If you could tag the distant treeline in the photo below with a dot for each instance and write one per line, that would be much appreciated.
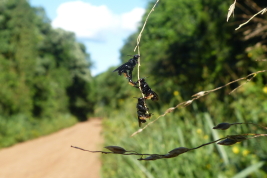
(44, 72)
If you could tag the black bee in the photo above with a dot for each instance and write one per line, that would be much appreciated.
(142, 111)
(128, 66)
(146, 90)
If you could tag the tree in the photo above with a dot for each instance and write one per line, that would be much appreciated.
(44, 73)
(186, 49)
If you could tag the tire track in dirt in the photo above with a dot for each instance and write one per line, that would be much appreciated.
(52, 157)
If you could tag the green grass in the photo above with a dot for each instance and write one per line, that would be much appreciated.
(179, 129)
(20, 128)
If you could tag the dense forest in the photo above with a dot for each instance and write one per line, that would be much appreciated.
(186, 47)
(44, 73)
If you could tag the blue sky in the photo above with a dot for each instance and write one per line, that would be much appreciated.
(102, 25)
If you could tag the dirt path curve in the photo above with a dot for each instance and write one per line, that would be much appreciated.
(52, 157)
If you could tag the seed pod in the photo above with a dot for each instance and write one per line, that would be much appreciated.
(222, 126)
(175, 152)
(188, 102)
(169, 110)
(199, 94)
(238, 138)
(116, 149)
(227, 142)
(179, 150)
(151, 157)
(170, 155)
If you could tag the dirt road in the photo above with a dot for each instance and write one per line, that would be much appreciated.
(52, 157)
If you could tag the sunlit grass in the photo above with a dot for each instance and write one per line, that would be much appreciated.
(168, 133)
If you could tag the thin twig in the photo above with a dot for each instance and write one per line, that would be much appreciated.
(89, 150)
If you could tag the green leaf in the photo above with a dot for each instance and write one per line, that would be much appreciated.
(249, 170)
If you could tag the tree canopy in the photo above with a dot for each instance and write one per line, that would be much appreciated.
(188, 47)
(44, 72)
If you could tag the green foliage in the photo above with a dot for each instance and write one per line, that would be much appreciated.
(113, 92)
(188, 47)
(44, 74)
(180, 129)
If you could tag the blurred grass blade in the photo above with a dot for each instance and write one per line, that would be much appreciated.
(181, 136)
(141, 167)
(249, 170)
(216, 137)
(239, 116)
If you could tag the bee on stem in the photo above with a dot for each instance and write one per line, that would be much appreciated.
(127, 68)
(146, 90)
(142, 111)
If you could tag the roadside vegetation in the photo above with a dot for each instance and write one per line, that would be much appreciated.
(188, 47)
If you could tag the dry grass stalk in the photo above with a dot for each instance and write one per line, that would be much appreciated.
(225, 141)
(231, 11)
(224, 125)
(140, 34)
(138, 49)
(116, 149)
(260, 12)
(198, 95)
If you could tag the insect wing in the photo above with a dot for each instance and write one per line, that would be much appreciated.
(155, 96)
(140, 121)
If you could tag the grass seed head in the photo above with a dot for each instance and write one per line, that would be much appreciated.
(116, 149)
(238, 138)
(231, 11)
(175, 152)
(151, 157)
(222, 126)
(179, 150)
(199, 94)
(169, 110)
(188, 102)
(170, 155)
(227, 142)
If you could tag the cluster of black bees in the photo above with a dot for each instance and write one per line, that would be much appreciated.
(142, 111)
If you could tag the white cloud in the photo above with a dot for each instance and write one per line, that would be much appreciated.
(130, 20)
(95, 22)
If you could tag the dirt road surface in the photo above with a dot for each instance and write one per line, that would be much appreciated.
(52, 157)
